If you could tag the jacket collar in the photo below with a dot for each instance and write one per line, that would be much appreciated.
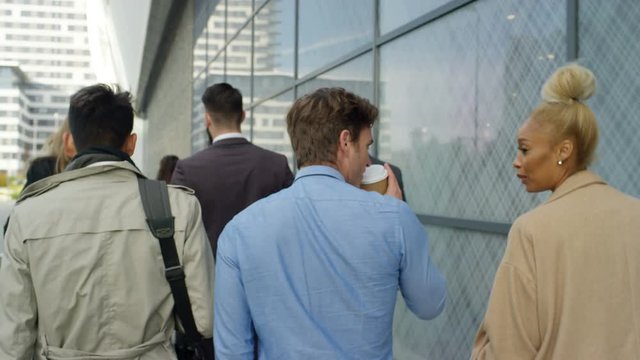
(53, 181)
(575, 182)
(229, 142)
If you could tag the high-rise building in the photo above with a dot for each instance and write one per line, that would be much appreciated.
(49, 42)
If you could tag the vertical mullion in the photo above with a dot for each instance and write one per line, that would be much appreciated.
(296, 40)
(376, 71)
(572, 30)
(253, 33)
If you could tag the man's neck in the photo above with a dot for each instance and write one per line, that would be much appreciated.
(217, 132)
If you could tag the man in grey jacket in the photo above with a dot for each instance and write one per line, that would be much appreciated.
(83, 277)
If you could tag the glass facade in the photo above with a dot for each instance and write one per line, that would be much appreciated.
(453, 81)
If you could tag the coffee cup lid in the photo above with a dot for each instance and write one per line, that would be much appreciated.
(373, 174)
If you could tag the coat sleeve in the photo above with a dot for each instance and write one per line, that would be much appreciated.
(199, 270)
(18, 309)
(423, 287)
(510, 327)
(233, 324)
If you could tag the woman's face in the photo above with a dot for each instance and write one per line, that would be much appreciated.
(537, 158)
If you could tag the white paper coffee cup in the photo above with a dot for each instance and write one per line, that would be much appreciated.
(375, 178)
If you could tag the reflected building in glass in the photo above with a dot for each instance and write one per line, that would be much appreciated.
(48, 40)
(453, 80)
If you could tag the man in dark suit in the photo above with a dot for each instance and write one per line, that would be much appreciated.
(231, 173)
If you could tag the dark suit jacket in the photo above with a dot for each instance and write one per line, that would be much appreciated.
(228, 176)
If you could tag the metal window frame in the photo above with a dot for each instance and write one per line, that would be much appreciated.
(379, 40)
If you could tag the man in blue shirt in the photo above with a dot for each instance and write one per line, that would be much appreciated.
(312, 271)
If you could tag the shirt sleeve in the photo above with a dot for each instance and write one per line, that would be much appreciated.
(510, 327)
(18, 309)
(198, 266)
(422, 285)
(233, 329)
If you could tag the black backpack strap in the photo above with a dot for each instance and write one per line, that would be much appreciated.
(155, 200)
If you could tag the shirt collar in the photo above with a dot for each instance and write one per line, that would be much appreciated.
(321, 170)
(574, 182)
(232, 135)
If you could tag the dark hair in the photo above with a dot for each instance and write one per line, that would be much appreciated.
(224, 103)
(100, 115)
(40, 168)
(167, 165)
(316, 120)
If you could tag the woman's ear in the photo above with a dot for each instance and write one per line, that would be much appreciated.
(565, 149)
(69, 147)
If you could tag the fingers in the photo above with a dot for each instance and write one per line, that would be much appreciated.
(393, 188)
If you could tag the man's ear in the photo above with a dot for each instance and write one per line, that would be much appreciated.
(344, 140)
(208, 122)
(68, 146)
(243, 116)
(130, 144)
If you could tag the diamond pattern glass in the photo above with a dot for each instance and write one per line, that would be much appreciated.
(395, 13)
(453, 95)
(608, 46)
(469, 261)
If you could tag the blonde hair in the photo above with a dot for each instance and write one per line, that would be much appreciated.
(563, 110)
(55, 146)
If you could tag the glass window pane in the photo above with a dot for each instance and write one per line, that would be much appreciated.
(238, 11)
(468, 261)
(330, 29)
(605, 47)
(215, 30)
(198, 130)
(355, 76)
(270, 125)
(395, 13)
(274, 48)
(453, 94)
(238, 69)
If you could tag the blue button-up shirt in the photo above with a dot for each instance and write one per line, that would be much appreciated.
(315, 270)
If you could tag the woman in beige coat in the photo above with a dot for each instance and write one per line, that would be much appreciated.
(568, 286)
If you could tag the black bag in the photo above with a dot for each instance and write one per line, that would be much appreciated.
(155, 200)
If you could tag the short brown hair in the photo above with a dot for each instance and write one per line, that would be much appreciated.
(316, 120)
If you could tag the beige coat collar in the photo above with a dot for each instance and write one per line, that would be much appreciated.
(51, 182)
(575, 182)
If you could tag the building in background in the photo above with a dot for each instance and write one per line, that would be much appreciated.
(49, 42)
(454, 79)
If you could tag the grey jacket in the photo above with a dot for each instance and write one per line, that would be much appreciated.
(83, 277)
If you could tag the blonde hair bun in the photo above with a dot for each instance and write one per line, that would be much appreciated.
(569, 83)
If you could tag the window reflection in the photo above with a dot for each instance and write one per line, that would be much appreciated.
(330, 29)
(452, 95)
(273, 49)
(270, 125)
(395, 13)
(198, 130)
(355, 76)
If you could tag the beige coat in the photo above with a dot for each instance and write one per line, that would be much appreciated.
(83, 278)
(568, 286)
